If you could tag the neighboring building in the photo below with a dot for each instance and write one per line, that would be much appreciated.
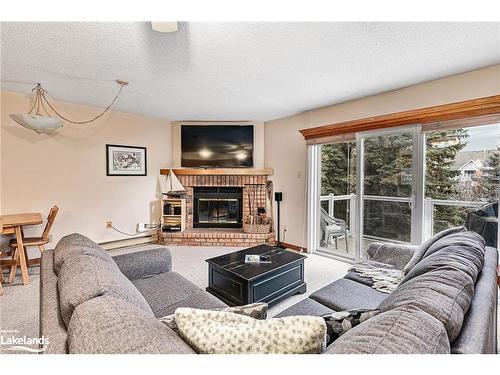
(471, 164)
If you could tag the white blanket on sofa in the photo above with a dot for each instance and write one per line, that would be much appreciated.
(385, 277)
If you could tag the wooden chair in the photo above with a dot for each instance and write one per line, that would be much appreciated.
(44, 239)
(32, 241)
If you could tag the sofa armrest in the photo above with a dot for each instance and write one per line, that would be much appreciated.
(397, 255)
(144, 263)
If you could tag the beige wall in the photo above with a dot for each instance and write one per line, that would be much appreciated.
(285, 148)
(68, 168)
(258, 151)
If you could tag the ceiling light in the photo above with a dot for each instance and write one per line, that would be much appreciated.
(164, 27)
(39, 123)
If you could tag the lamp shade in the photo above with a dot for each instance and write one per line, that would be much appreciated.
(37, 123)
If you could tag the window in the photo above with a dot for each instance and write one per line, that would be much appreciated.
(462, 174)
(374, 188)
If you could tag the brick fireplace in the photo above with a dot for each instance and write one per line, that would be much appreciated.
(217, 200)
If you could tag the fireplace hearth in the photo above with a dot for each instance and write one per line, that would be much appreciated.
(218, 207)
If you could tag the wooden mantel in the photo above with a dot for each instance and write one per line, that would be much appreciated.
(219, 171)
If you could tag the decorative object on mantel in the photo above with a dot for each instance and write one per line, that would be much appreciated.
(34, 120)
(257, 220)
(126, 160)
(172, 186)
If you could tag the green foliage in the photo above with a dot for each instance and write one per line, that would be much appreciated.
(388, 172)
(442, 147)
(338, 168)
(489, 184)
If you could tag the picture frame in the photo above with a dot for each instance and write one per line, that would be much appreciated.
(124, 160)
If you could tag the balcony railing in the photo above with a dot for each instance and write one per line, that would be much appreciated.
(430, 206)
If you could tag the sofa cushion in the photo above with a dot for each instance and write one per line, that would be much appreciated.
(462, 251)
(307, 306)
(85, 277)
(77, 244)
(167, 291)
(220, 332)
(145, 263)
(345, 294)
(404, 330)
(422, 249)
(257, 310)
(478, 330)
(51, 323)
(394, 254)
(445, 293)
(107, 325)
(341, 322)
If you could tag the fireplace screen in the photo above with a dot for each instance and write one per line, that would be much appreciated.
(218, 210)
(217, 207)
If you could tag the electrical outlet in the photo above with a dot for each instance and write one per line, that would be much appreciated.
(109, 224)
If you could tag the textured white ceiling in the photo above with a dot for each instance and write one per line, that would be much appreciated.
(237, 71)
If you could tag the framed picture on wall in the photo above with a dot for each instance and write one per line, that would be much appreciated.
(126, 160)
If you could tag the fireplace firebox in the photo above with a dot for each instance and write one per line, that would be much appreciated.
(218, 207)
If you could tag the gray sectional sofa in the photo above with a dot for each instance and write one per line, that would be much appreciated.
(91, 302)
(446, 303)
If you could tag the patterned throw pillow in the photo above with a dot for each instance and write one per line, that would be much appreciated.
(257, 310)
(220, 332)
(338, 323)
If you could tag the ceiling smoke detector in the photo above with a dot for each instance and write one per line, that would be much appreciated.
(164, 27)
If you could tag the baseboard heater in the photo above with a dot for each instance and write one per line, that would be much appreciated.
(127, 242)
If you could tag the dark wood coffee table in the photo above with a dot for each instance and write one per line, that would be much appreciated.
(238, 283)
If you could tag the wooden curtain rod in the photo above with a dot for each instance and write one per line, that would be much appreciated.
(467, 109)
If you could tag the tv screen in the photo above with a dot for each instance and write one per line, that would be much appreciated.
(217, 146)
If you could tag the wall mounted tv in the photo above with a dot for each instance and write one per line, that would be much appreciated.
(217, 146)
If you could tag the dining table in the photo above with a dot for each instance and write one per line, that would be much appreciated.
(14, 224)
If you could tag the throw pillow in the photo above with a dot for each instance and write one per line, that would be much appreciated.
(221, 332)
(422, 249)
(338, 323)
(257, 310)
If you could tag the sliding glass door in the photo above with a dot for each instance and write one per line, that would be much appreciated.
(389, 175)
(337, 199)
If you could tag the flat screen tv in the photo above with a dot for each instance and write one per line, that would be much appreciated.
(217, 146)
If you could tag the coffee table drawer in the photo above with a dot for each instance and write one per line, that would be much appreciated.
(265, 289)
(229, 286)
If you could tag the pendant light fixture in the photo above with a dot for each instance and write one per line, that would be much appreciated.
(40, 123)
